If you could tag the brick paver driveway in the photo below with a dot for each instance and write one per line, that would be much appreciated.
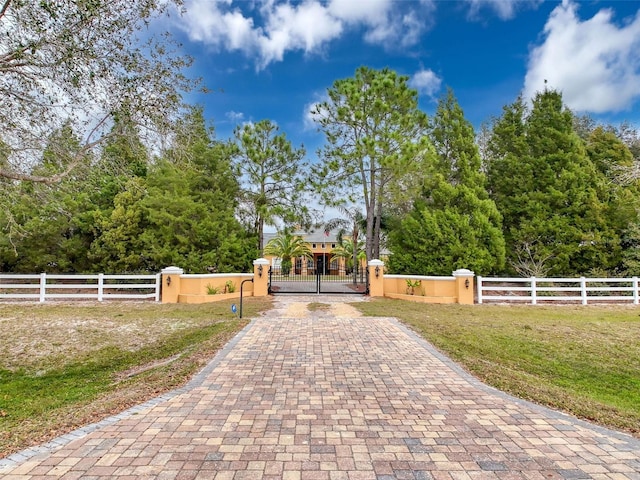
(330, 395)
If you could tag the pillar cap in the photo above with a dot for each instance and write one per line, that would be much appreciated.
(261, 261)
(463, 272)
(172, 271)
(376, 263)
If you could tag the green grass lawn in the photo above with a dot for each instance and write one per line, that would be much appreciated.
(582, 360)
(64, 366)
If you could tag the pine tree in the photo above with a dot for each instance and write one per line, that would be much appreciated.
(455, 224)
(376, 145)
(181, 213)
(46, 227)
(271, 169)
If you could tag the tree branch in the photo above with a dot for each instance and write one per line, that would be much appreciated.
(5, 7)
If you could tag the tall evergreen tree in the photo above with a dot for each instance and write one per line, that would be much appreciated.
(119, 246)
(182, 213)
(118, 184)
(548, 191)
(272, 184)
(45, 228)
(611, 156)
(454, 224)
(376, 145)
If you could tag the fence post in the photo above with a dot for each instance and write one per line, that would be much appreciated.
(43, 286)
(158, 284)
(534, 299)
(583, 290)
(100, 286)
(479, 289)
(636, 297)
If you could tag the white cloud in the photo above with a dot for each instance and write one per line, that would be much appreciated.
(304, 27)
(370, 12)
(234, 117)
(385, 23)
(426, 82)
(594, 63)
(206, 22)
(268, 29)
(505, 9)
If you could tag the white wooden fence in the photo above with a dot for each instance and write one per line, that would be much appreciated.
(568, 290)
(42, 287)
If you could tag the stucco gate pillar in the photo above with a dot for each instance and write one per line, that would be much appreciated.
(260, 277)
(170, 284)
(464, 286)
(376, 278)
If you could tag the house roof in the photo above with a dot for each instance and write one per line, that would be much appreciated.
(318, 237)
(313, 237)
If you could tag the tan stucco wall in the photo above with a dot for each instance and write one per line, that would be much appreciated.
(429, 286)
(193, 288)
(197, 284)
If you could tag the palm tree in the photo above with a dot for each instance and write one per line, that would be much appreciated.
(352, 223)
(286, 247)
(345, 250)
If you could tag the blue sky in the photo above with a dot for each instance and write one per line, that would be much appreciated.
(274, 58)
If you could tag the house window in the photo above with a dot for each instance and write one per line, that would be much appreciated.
(323, 245)
(313, 245)
(333, 245)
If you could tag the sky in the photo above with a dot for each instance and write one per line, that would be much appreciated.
(273, 59)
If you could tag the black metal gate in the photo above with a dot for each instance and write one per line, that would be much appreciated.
(318, 278)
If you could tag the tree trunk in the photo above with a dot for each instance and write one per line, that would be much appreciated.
(354, 239)
(260, 236)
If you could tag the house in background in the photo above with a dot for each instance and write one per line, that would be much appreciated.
(321, 244)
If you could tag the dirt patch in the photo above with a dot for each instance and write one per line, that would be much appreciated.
(319, 307)
(296, 310)
(344, 310)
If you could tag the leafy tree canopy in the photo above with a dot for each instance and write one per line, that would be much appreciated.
(188, 209)
(82, 63)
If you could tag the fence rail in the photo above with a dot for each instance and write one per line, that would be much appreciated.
(98, 287)
(565, 290)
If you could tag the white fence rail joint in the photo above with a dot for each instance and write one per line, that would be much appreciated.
(98, 287)
(535, 290)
